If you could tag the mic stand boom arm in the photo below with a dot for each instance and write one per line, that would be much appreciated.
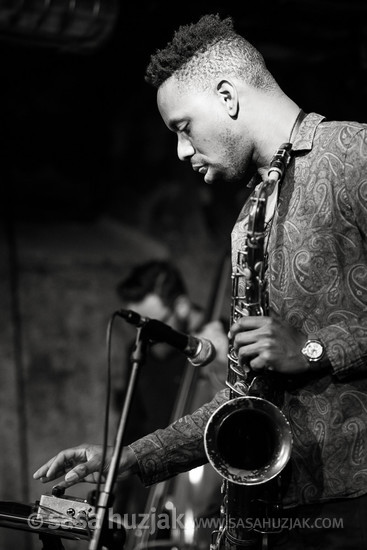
(137, 359)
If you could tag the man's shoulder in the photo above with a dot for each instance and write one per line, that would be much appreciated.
(339, 135)
(350, 126)
(315, 121)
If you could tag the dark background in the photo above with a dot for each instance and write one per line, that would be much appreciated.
(80, 132)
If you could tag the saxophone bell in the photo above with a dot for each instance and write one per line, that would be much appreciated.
(248, 440)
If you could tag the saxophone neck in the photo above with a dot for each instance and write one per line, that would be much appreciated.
(279, 163)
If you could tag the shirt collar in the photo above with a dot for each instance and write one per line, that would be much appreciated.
(303, 141)
(306, 132)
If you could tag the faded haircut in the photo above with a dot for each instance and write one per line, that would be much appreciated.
(201, 51)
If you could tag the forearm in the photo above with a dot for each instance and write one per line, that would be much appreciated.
(177, 448)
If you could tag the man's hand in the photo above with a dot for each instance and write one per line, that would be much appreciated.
(82, 463)
(268, 343)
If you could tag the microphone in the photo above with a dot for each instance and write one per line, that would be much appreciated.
(199, 351)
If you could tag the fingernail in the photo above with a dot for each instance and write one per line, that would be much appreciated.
(71, 476)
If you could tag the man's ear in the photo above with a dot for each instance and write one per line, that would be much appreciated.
(228, 94)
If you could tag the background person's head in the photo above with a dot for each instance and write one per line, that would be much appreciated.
(156, 289)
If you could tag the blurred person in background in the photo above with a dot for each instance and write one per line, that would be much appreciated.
(156, 289)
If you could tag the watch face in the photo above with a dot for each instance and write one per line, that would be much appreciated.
(313, 350)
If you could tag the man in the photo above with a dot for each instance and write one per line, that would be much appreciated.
(156, 289)
(230, 116)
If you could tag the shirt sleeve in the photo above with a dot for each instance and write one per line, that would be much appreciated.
(177, 448)
(346, 341)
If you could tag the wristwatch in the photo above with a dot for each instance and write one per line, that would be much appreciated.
(313, 350)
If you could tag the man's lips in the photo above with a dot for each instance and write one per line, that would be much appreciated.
(201, 169)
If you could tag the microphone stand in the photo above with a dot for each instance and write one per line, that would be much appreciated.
(100, 537)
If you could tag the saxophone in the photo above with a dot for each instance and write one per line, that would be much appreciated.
(248, 440)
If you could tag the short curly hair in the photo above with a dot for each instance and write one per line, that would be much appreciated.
(206, 49)
(159, 277)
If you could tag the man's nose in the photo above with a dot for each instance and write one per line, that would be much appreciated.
(185, 149)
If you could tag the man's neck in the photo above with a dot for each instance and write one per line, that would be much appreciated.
(277, 127)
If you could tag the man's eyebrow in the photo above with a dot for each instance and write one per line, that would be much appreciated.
(174, 123)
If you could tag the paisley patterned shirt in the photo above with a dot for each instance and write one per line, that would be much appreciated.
(317, 280)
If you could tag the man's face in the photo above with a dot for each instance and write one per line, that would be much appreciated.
(207, 136)
(153, 307)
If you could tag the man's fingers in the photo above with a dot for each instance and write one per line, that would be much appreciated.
(60, 464)
(245, 353)
(63, 462)
(41, 473)
(244, 339)
(81, 471)
(73, 464)
(47, 477)
(247, 323)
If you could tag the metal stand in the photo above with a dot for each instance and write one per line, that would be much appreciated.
(101, 536)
